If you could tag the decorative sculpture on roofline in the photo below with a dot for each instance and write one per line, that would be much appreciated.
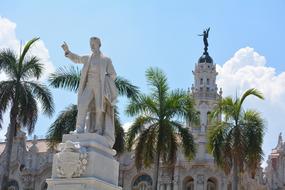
(205, 39)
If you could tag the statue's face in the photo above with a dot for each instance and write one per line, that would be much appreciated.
(94, 45)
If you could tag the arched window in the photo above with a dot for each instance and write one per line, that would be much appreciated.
(142, 186)
(142, 182)
(189, 183)
(208, 118)
(212, 184)
(208, 81)
(201, 80)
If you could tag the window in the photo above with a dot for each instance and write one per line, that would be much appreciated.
(208, 118)
(142, 186)
(190, 186)
(142, 182)
(208, 81)
(188, 183)
(201, 80)
(211, 184)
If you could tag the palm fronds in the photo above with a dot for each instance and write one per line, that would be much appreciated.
(236, 141)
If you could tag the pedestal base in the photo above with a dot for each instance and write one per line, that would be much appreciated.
(85, 162)
(80, 184)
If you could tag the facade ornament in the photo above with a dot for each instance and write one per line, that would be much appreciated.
(280, 141)
(27, 179)
(34, 147)
(200, 179)
(71, 161)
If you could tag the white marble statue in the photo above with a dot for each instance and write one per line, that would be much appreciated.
(97, 91)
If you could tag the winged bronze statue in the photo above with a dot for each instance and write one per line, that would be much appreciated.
(205, 38)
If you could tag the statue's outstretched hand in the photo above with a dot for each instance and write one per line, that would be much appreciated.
(65, 47)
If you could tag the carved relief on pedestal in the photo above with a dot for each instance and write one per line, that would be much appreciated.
(71, 161)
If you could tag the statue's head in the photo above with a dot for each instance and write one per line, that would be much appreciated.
(95, 43)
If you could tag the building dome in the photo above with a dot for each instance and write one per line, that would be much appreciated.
(205, 58)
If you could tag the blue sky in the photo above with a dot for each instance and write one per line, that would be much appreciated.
(140, 34)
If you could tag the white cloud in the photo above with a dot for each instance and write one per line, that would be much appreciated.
(8, 34)
(248, 69)
(8, 39)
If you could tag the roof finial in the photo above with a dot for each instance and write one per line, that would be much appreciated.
(280, 141)
(205, 39)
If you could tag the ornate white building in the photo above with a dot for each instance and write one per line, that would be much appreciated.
(200, 173)
(31, 163)
(32, 160)
(275, 170)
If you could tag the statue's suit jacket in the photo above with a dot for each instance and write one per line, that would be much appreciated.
(108, 89)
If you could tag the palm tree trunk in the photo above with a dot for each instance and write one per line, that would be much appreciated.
(8, 147)
(156, 171)
(10, 138)
(235, 176)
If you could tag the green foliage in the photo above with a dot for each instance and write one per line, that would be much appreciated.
(119, 145)
(157, 131)
(66, 78)
(126, 88)
(21, 72)
(22, 94)
(237, 138)
(64, 123)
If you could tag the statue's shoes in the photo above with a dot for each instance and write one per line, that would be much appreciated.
(79, 130)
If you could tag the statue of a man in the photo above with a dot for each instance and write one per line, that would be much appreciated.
(97, 92)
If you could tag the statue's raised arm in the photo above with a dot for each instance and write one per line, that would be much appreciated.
(205, 39)
(72, 56)
(65, 47)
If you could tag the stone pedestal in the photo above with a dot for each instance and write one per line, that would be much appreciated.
(85, 162)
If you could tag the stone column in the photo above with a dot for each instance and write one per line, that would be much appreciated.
(175, 185)
(168, 186)
(200, 182)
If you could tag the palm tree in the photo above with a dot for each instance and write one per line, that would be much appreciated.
(68, 78)
(21, 93)
(157, 131)
(236, 140)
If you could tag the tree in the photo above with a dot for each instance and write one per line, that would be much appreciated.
(157, 131)
(68, 78)
(20, 92)
(236, 140)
